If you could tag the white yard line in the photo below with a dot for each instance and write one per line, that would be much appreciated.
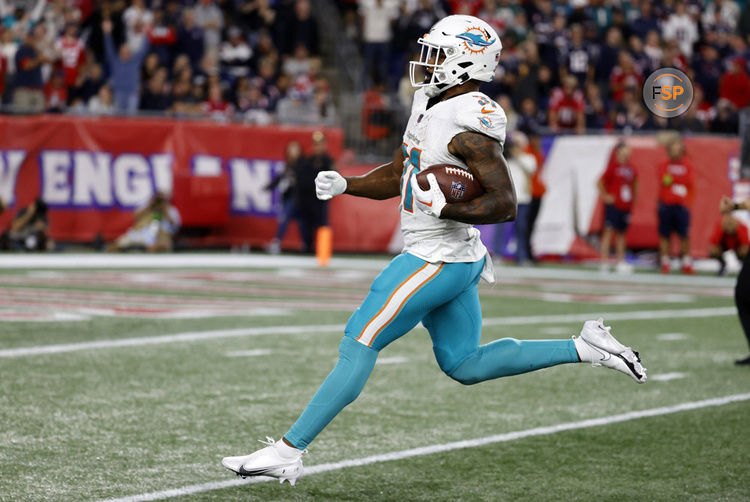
(248, 353)
(438, 448)
(672, 337)
(294, 330)
(392, 360)
(227, 260)
(665, 377)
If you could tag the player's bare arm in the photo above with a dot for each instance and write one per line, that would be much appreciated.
(383, 182)
(484, 157)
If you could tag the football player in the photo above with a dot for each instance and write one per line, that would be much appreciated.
(435, 279)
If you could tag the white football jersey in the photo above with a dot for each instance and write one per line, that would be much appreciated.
(425, 144)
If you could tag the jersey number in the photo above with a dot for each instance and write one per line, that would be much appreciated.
(411, 167)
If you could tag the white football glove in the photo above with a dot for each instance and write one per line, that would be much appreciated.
(432, 200)
(328, 184)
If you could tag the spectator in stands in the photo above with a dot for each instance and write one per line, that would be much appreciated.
(298, 64)
(17, 18)
(728, 235)
(312, 213)
(235, 54)
(653, 51)
(190, 38)
(377, 16)
(624, 76)
(689, 121)
(70, 51)
(596, 112)
(618, 188)
(735, 84)
(103, 103)
(609, 54)
(124, 70)
(578, 56)
(215, 106)
(726, 120)
(154, 227)
(156, 95)
(258, 15)
(567, 108)
(646, 21)
(251, 104)
(721, 15)
(529, 121)
(675, 193)
(55, 94)
(681, 26)
(284, 185)
(89, 82)
(8, 49)
(707, 67)
(300, 29)
(162, 36)
(209, 18)
(28, 92)
(138, 21)
(29, 230)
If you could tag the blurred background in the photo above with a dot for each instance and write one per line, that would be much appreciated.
(171, 125)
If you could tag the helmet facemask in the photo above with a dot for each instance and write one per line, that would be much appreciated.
(432, 59)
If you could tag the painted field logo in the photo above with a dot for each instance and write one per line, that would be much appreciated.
(668, 92)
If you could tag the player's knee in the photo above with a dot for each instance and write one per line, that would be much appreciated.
(464, 378)
(467, 372)
(354, 366)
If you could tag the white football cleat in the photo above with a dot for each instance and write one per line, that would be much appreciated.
(276, 460)
(597, 346)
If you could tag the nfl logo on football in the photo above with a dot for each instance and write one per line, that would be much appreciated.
(457, 190)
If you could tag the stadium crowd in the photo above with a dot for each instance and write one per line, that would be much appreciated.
(572, 66)
(566, 66)
(256, 61)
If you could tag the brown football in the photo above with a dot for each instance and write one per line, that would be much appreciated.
(457, 184)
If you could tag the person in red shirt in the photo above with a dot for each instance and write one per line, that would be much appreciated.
(728, 235)
(675, 190)
(70, 50)
(625, 75)
(567, 107)
(215, 106)
(618, 187)
(735, 84)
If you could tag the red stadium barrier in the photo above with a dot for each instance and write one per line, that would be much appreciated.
(93, 172)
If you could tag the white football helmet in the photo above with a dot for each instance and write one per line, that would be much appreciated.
(455, 50)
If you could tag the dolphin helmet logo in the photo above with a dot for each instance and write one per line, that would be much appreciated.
(476, 39)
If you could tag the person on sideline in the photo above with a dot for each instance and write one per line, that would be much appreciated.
(618, 187)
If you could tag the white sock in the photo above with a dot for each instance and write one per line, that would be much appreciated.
(286, 451)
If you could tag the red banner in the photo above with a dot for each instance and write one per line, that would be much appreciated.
(93, 172)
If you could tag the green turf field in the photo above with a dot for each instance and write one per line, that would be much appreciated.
(121, 382)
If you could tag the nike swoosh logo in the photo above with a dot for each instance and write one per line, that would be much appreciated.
(425, 203)
(487, 111)
(255, 472)
(605, 355)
